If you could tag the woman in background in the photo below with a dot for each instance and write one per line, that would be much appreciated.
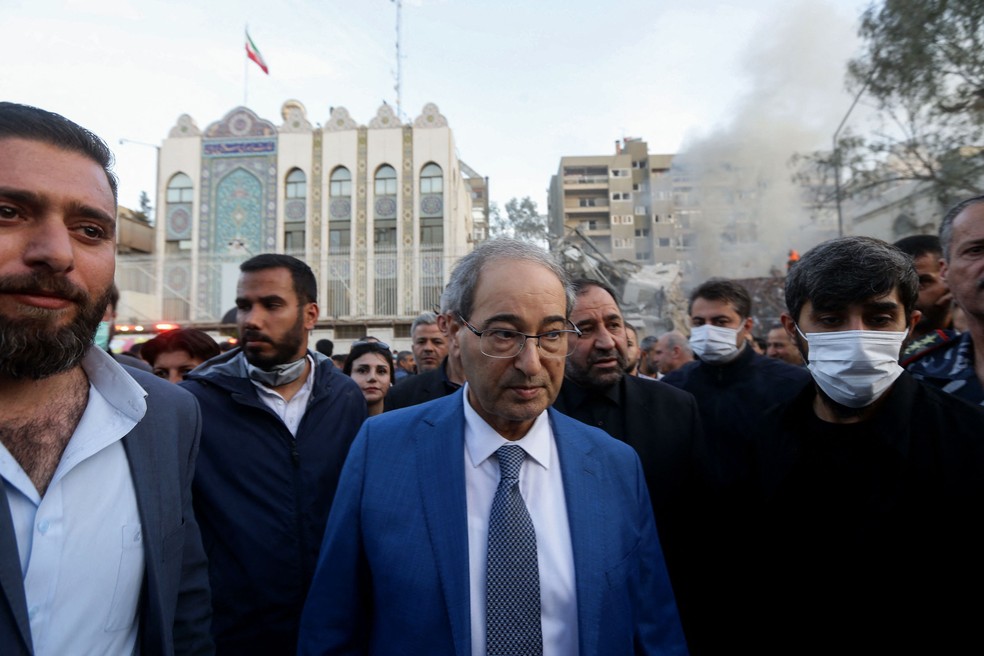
(176, 352)
(370, 365)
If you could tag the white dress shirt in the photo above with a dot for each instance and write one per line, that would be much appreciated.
(542, 487)
(81, 545)
(290, 412)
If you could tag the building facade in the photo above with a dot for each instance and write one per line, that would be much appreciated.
(380, 211)
(623, 204)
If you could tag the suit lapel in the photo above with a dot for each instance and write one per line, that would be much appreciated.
(440, 470)
(11, 576)
(586, 504)
(144, 470)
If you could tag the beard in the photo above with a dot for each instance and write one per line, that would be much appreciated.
(31, 345)
(284, 351)
(583, 375)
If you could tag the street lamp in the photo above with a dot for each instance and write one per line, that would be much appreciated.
(157, 174)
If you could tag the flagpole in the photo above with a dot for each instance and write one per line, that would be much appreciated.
(246, 74)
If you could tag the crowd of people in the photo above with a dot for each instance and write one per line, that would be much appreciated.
(533, 477)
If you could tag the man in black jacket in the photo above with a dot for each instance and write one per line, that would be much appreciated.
(859, 513)
(659, 421)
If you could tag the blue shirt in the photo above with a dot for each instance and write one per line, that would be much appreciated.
(80, 546)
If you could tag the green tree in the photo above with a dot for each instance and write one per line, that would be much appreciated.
(145, 208)
(922, 67)
(521, 221)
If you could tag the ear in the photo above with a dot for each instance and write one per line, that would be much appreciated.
(310, 315)
(443, 324)
(943, 271)
(452, 329)
(789, 324)
(745, 330)
(913, 320)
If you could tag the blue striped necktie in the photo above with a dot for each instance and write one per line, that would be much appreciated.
(512, 592)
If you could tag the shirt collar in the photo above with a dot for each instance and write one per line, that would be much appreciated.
(482, 441)
(115, 384)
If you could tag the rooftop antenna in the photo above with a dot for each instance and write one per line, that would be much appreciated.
(399, 60)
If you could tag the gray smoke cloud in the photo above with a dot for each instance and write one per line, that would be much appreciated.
(743, 205)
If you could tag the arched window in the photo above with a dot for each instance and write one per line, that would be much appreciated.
(341, 183)
(180, 189)
(340, 211)
(339, 281)
(296, 184)
(386, 181)
(295, 212)
(431, 179)
(384, 240)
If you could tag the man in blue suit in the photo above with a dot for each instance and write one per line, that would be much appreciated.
(485, 522)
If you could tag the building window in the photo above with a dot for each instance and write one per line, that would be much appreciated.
(620, 173)
(431, 179)
(386, 181)
(642, 232)
(621, 195)
(339, 242)
(384, 240)
(180, 189)
(640, 210)
(296, 184)
(295, 212)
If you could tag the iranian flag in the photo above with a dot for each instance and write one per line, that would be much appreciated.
(254, 53)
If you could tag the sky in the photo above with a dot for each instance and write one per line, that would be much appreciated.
(521, 83)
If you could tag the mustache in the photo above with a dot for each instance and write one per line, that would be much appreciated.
(255, 336)
(597, 356)
(44, 284)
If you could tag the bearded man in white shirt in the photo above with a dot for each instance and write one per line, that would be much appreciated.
(99, 548)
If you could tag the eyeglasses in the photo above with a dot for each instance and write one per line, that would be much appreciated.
(502, 343)
(382, 345)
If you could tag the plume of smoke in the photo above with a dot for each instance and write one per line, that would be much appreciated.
(735, 183)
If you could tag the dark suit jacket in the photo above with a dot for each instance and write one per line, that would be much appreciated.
(421, 388)
(393, 573)
(662, 424)
(174, 601)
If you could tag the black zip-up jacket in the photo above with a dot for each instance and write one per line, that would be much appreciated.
(262, 498)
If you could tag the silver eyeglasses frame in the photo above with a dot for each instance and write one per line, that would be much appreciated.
(479, 333)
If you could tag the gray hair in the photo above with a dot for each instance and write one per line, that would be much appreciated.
(459, 296)
(850, 270)
(423, 319)
(675, 338)
(648, 342)
(946, 226)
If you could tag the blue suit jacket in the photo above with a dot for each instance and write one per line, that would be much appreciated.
(174, 601)
(393, 573)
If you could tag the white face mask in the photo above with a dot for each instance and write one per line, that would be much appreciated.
(714, 344)
(855, 367)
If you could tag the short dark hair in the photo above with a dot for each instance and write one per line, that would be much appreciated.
(358, 350)
(722, 289)
(325, 347)
(581, 285)
(946, 225)
(190, 340)
(403, 355)
(34, 124)
(919, 245)
(305, 285)
(850, 270)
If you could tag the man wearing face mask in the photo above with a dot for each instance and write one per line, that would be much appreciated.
(733, 384)
(867, 485)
